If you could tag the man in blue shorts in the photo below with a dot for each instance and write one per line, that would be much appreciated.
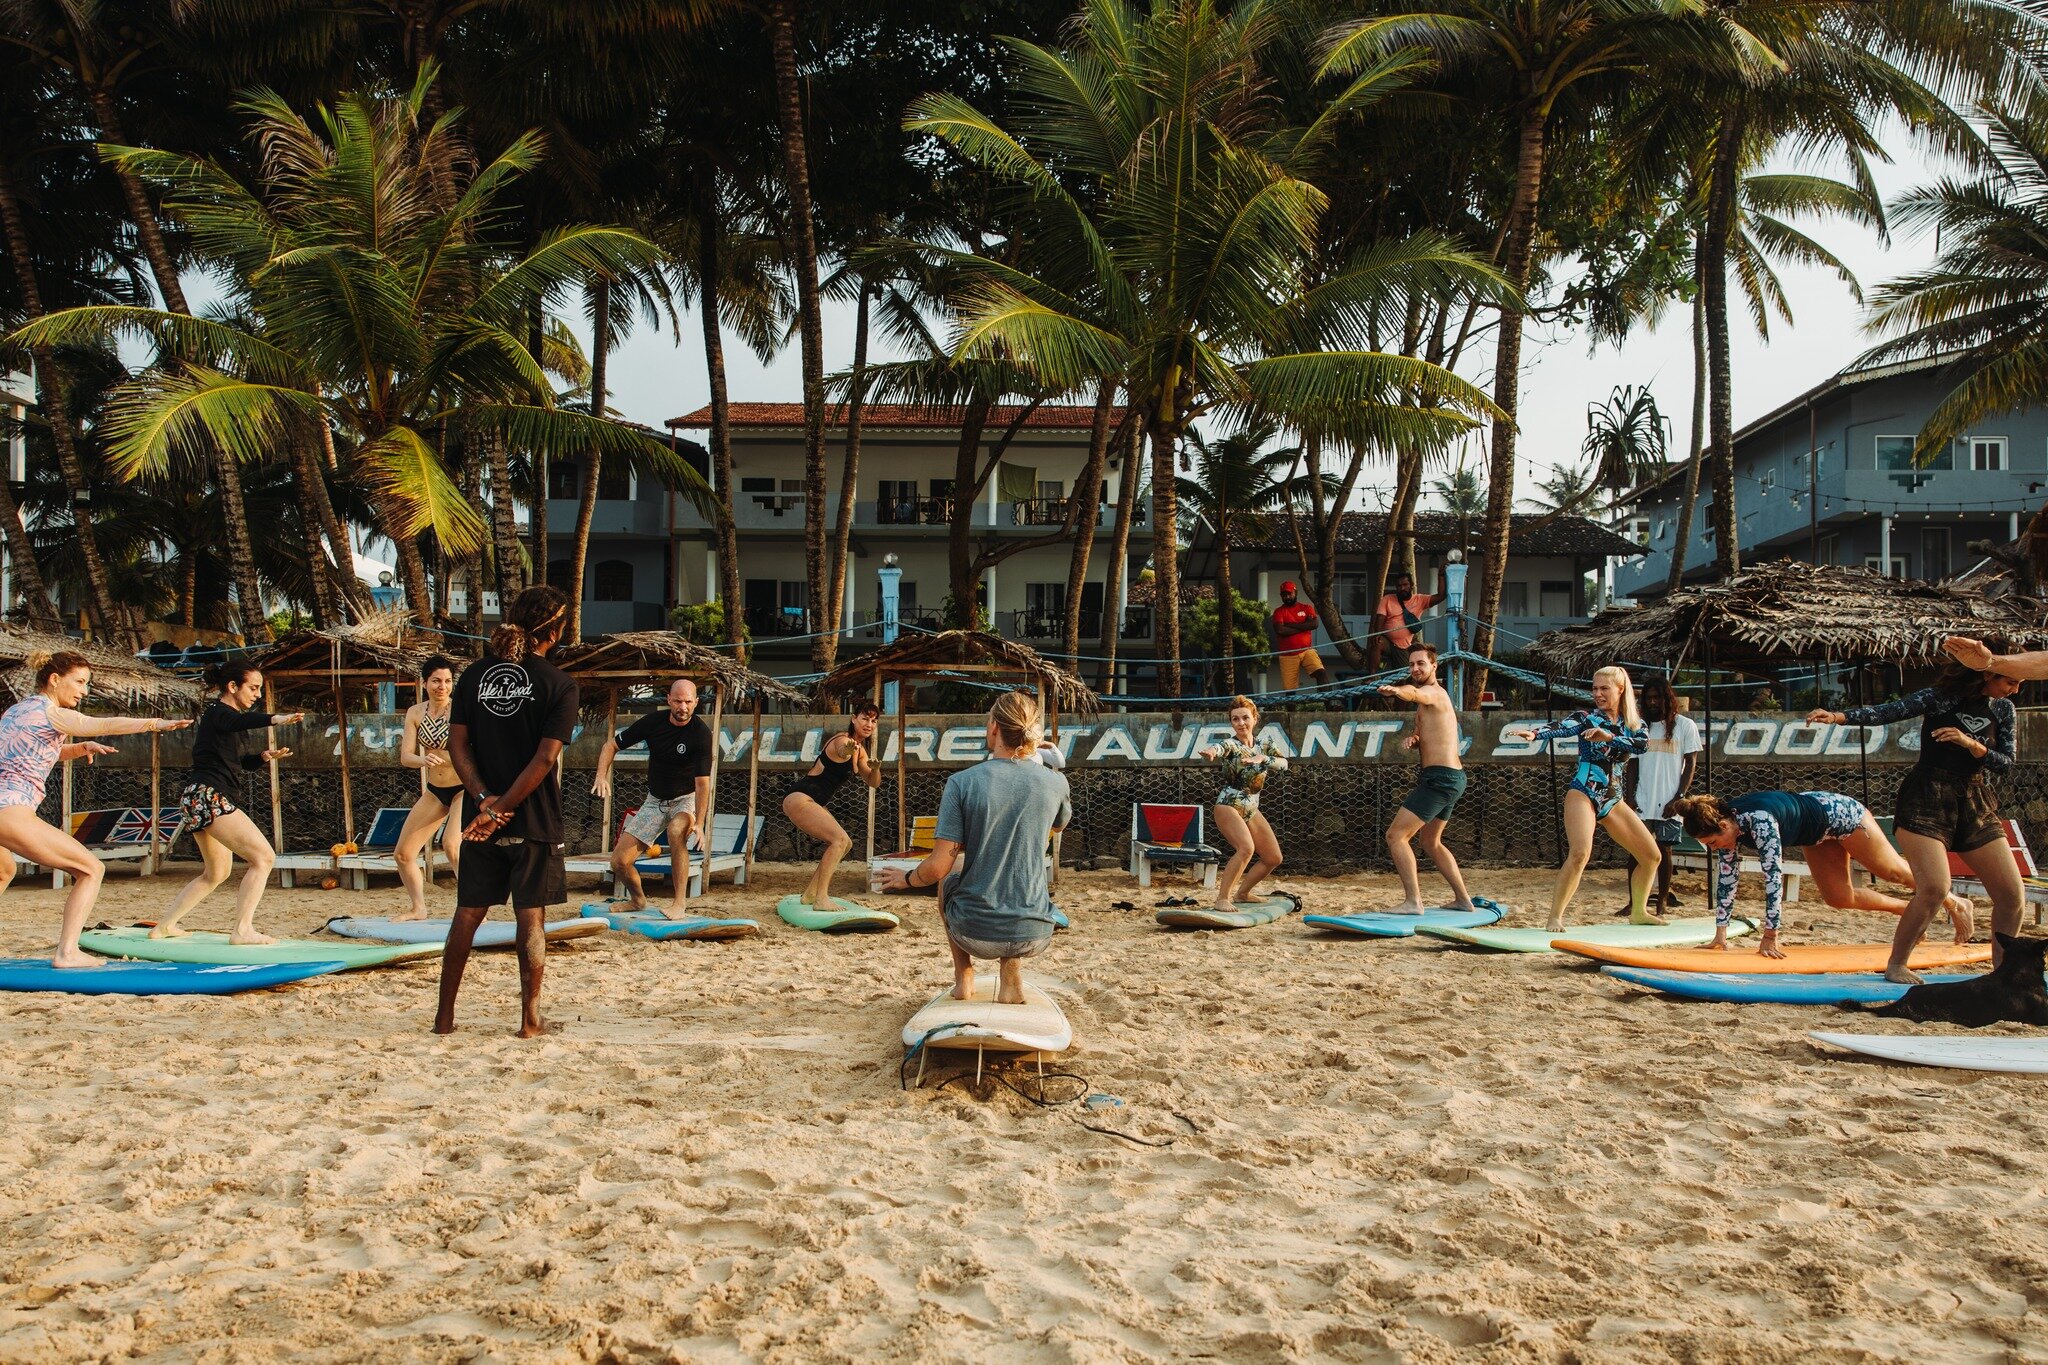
(1438, 786)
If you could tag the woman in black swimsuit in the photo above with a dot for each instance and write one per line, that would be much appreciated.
(425, 747)
(844, 756)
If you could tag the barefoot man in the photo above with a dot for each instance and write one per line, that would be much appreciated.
(512, 713)
(678, 786)
(1426, 809)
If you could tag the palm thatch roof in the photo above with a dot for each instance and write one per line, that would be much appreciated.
(642, 656)
(1786, 612)
(116, 676)
(967, 655)
(385, 644)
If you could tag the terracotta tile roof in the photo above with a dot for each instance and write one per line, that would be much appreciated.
(1530, 533)
(1058, 416)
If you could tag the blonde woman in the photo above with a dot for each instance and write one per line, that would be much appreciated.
(1255, 849)
(425, 747)
(1609, 734)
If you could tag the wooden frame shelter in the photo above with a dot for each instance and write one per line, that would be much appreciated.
(972, 656)
(644, 657)
(133, 684)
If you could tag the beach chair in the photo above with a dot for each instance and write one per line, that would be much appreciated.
(1171, 835)
(731, 836)
(1965, 882)
(121, 835)
(1691, 855)
(377, 850)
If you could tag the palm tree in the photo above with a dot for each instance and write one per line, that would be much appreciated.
(385, 317)
(1985, 299)
(1567, 487)
(1180, 269)
(1236, 480)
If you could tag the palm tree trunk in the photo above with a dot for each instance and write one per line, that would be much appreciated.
(1507, 387)
(1682, 533)
(412, 565)
(586, 495)
(188, 589)
(1226, 609)
(1166, 554)
(842, 531)
(1400, 530)
(709, 268)
(803, 237)
(139, 211)
(28, 576)
(960, 576)
(473, 562)
(1120, 551)
(504, 520)
(1714, 290)
(537, 510)
(1088, 489)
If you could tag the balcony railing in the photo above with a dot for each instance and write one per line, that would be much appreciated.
(768, 622)
(1042, 625)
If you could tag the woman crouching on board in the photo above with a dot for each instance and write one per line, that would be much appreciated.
(844, 756)
(425, 747)
(988, 854)
(1829, 830)
(32, 735)
(1945, 804)
(1255, 849)
(219, 827)
(1608, 735)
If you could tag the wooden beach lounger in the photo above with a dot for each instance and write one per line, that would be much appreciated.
(121, 835)
(730, 837)
(375, 852)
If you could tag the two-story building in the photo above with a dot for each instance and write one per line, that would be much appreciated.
(1553, 578)
(1829, 478)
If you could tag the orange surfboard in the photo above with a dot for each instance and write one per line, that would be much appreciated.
(1801, 958)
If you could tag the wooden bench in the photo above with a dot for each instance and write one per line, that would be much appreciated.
(376, 851)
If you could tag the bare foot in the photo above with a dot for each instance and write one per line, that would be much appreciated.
(1010, 995)
(168, 931)
(1719, 945)
(76, 958)
(538, 1028)
(1647, 918)
(1553, 928)
(1963, 915)
(410, 916)
(249, 938)
(963, 985)
(1903, 976)
(1406, 908)
(677, 912)
(444, 1026)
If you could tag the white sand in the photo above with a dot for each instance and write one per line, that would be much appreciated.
(1381, 1151)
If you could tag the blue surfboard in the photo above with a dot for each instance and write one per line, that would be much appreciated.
(1774, 988)
(657, 926)
(155, 978)
(1378, 924)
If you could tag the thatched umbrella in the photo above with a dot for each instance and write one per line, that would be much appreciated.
(637, 658)
(967, 655)
(131, 683)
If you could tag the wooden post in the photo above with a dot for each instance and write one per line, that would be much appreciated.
(707, 817)
(276, 786)
(348, 800)
(902, 766)
(876, 757)
(753, 784)
(611, 730)
(156, 796)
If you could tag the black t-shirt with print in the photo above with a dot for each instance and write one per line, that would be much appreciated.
(677, 755)
(508, 709)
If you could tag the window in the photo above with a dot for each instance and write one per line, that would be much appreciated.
(1354, 593)
(614, 581)
(906, 595)
(1934, 553)
(1051, 490)
(795, 597)
(1516, 599)
(1555, 598)
(1768, 482)
(1897, 570)
(614, 484)
(1662, 528)
(1639, 530)
(1045, 599)
(1829, 550)
(558, 574)
(757, 485)
(1895, 453)
(1987, 452)
(565, 479)
(795, 486)
(896, 502)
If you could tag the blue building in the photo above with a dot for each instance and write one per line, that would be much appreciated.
(1828, 478)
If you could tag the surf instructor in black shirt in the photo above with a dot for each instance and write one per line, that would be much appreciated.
(512, 713)
(678, 792)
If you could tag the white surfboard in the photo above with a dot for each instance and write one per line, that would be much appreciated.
(981, 1024)
(2025, 1055)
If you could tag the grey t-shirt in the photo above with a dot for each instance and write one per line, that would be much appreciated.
(1001, 812)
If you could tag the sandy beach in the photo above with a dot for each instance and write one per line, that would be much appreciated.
(1391, 1151)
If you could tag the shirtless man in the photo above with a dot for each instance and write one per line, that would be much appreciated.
(1441, 782)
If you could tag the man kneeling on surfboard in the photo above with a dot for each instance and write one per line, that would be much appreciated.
(994, 822)
(1426, 809)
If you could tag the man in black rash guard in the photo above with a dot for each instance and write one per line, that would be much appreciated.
(512, 713)
(678, 789)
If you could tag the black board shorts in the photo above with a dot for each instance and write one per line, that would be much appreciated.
(511, 872)
(1958, 812)
(1435, 793)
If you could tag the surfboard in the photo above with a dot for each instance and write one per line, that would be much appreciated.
(1037, 1025)
(849, 917)
(154, 978)
(1247, 915)
(2027, 1056)
(1679, 933)
(492, 933)
(655, 925)
(212, 948)
(1379, 924)
(1801, 959)
(1749, 988)
(1059, 919)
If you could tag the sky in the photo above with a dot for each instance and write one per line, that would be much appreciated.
(656, 377)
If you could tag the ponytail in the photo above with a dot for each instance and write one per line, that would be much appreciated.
(1017, 720)
(535, 617)
(1701, 815)
(58, 665)
(229, 673)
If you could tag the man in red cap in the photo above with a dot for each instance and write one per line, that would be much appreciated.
(1294, 636)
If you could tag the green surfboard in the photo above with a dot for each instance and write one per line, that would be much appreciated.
(204, 946)
(844, 917)
(1247, 915)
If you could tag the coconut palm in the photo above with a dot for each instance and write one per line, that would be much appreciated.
(1986, 296)
(1180, 266)
(1236, 480)
(388, 317)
